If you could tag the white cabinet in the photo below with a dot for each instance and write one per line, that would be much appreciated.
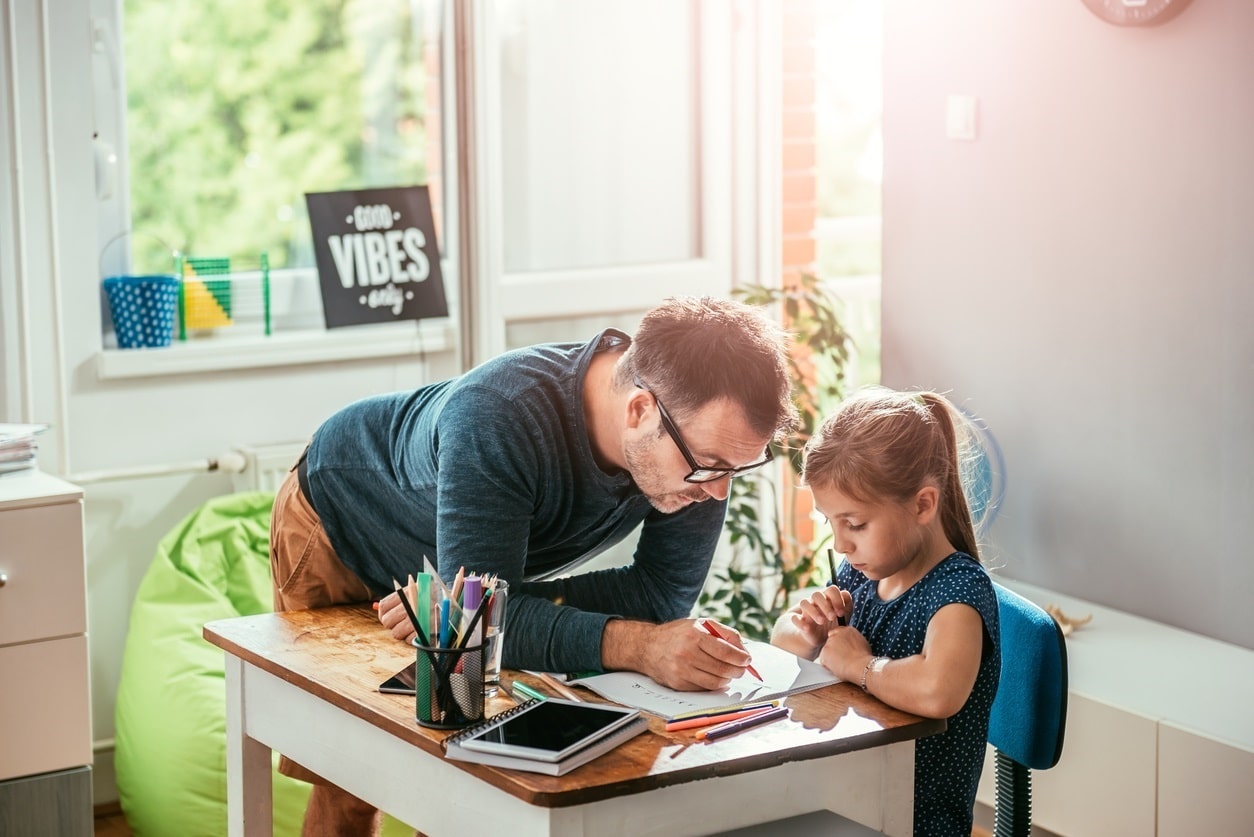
(45, 700)
(1160, 732)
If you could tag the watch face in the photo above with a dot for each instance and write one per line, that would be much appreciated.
(1136, 12)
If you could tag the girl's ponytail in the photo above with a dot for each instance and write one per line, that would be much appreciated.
(955, 513)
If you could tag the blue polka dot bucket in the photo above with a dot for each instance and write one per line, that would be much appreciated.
(143, 309)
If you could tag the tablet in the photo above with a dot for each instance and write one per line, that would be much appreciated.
(401, 683)
(547, 730)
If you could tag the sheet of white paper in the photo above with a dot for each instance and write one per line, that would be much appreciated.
(782, 674)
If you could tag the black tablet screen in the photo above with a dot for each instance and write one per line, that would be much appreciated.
(551, 726)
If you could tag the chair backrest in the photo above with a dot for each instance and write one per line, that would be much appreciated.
(1029, 715)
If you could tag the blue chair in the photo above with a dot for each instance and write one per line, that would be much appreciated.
(1029, 715)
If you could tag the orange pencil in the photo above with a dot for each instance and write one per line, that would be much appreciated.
(715, 632)
(711, 720)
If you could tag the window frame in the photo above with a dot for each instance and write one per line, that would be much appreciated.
(284, 347)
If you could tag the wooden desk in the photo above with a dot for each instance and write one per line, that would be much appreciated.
(304, 683)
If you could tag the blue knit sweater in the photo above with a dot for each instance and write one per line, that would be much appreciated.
(493, 471)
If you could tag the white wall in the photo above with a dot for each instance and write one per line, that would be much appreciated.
(1080, 277)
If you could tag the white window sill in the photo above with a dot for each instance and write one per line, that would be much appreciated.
(294, 348)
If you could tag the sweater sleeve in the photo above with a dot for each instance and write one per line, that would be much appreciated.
(493, 480)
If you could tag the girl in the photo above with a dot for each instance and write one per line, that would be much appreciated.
(922, 632)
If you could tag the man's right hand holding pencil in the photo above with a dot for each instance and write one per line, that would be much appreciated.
(680, 654)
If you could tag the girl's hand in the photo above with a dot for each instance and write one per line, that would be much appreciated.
(803, 628)
(844, 653)
(821, 611)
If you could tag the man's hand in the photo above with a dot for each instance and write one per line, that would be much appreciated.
(680, 654)
(393, 617)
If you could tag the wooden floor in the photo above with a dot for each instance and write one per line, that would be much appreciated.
(110, 821)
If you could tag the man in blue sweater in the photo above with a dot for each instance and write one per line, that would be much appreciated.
(529, 465)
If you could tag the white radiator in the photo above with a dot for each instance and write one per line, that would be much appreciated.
(265, 466)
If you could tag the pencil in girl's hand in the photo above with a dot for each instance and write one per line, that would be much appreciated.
(715, 632)
(831, 562)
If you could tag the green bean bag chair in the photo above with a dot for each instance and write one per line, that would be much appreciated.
(170, 715)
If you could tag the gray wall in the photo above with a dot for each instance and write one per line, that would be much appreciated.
(1080, 277)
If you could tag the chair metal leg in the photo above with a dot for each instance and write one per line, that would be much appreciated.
(1013, 807)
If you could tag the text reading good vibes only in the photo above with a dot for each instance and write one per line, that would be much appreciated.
(378, 260)
(376, 255)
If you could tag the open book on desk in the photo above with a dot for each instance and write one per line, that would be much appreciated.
(783, 674)
(546, 736)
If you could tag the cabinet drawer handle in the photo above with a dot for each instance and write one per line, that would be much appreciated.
(4, 579)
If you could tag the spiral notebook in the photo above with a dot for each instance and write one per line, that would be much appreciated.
(546, 736)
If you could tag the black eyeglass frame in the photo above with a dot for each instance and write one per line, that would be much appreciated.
(699, 473)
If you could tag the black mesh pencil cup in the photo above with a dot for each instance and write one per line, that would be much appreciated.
(448, 686)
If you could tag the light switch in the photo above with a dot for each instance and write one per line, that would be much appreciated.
(960, 117)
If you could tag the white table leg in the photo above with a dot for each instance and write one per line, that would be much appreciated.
(249, 790)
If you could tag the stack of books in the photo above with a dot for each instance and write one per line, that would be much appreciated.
(18, 446)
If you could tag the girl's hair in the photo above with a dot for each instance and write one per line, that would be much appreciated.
(884, 445)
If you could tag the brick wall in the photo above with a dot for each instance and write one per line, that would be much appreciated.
(799, 199)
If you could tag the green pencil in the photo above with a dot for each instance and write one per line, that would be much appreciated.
(526, 691)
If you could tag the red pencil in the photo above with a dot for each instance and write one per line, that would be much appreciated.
(715, 632)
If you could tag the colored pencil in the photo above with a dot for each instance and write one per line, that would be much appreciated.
(558, 686)
(409, 611)
(718, 718)
(715, 632)
(723, 710)
(733, 727)
(526, 691)
(831, 562)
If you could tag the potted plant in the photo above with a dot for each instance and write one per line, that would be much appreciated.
(772, 554)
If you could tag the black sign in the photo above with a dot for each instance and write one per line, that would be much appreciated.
(377, 256)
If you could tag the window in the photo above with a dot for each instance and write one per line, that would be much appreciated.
(849, 161)
(226, 114)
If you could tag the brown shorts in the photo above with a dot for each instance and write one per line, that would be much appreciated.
(305, 569)
(306, 573)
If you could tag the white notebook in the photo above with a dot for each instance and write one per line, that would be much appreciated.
(783, 674)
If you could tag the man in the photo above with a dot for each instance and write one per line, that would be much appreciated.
(531, 464)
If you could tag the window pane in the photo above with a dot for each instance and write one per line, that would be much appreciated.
(598, 133)
(236, 109)
(849, 160)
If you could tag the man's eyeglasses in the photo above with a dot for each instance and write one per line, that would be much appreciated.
(699, 472)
